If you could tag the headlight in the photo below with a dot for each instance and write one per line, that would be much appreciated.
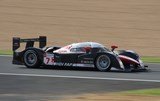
(141, 63)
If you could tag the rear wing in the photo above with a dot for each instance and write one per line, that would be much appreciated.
(29, 42)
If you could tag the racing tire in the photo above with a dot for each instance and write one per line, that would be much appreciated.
(31, 59)
(103, 63)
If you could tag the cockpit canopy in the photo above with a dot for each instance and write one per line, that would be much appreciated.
(86, 44)
(80, 47)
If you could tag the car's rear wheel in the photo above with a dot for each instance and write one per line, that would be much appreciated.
(103, 63)
(31, 59)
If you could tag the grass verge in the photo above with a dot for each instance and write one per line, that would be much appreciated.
(150, 59)
(5, 52)
(155, 91)
(147, 59)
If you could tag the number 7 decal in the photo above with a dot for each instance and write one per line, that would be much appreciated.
(48, 59)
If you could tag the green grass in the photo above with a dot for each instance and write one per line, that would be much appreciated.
(144, 92)
(5, 52)
(148, 59)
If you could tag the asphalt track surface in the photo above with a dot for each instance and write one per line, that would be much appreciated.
(18, 83)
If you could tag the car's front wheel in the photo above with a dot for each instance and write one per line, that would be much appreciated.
(103, 63)
(31, 59)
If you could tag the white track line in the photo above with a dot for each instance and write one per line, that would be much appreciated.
(81, 77)
(6, 56)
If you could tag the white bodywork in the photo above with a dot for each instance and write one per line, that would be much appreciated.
(49, 58)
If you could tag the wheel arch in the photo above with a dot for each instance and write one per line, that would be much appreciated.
(129, 53)
(113, 58)
(38, 51)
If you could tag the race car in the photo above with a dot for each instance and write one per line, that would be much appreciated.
(83, 54)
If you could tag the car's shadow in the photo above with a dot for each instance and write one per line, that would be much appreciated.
(84, 69)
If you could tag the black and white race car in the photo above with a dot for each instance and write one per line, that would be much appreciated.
(84, 54)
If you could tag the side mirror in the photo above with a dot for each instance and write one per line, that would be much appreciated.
(113, 47)
(87, 49)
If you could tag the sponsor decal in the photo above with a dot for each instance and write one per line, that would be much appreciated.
(16, 44)
(88, 58)
(63, 64)
(83, 65)
(87, 62)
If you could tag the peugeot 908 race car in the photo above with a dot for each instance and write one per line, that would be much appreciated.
(83, 54)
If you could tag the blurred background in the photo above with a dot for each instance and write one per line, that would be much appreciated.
(130, 24)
